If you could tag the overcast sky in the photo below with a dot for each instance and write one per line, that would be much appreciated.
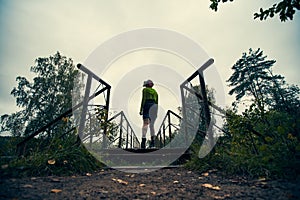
(31, 29)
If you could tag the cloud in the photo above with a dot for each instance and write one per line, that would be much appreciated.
(30, 29)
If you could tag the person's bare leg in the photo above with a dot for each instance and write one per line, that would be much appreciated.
(145, 127)
(146, 122)
(152, 133)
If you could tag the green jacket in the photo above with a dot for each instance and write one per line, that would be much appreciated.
(149, 94)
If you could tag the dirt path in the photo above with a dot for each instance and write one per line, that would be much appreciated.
(178, 183)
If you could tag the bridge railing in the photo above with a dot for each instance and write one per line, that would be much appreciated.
(94, 127)
(96, 130)
(66, 122)
(198, 114)
(168, 129)
(125, 136)
(197, 105)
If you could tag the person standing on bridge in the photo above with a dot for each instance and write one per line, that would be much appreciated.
(148, 111)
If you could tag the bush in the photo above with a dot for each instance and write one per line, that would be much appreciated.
(60, 157)
(271, 151)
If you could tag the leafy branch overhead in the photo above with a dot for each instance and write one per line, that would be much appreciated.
(285, 9)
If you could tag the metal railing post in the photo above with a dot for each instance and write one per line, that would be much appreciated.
(84, 108)
(169, 126)
(160, 139)
(184, 115)
(206, 107)
(91, 135)
(121, 131)
(127, 136)
(164, 134)
(106, 117)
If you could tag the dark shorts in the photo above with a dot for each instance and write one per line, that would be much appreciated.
(150, 111)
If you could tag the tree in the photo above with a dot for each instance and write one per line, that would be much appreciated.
(284, 97)
(264, 139)
(43, 99)
(285, 9)
(12, 123)
(253, 77)
(266, 93)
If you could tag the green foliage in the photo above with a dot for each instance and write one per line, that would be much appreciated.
(285, 9)
(13, 123)
(274, 154)
(95, 126)
(56, 150)
(214, 3)
(44, 98)
(61, 157)
(8, 147)
(264, 139)
(252, 77)
(253, 81)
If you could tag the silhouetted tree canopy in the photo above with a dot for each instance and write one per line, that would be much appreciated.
(285, 9)
(44, 98)
(253, 78)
